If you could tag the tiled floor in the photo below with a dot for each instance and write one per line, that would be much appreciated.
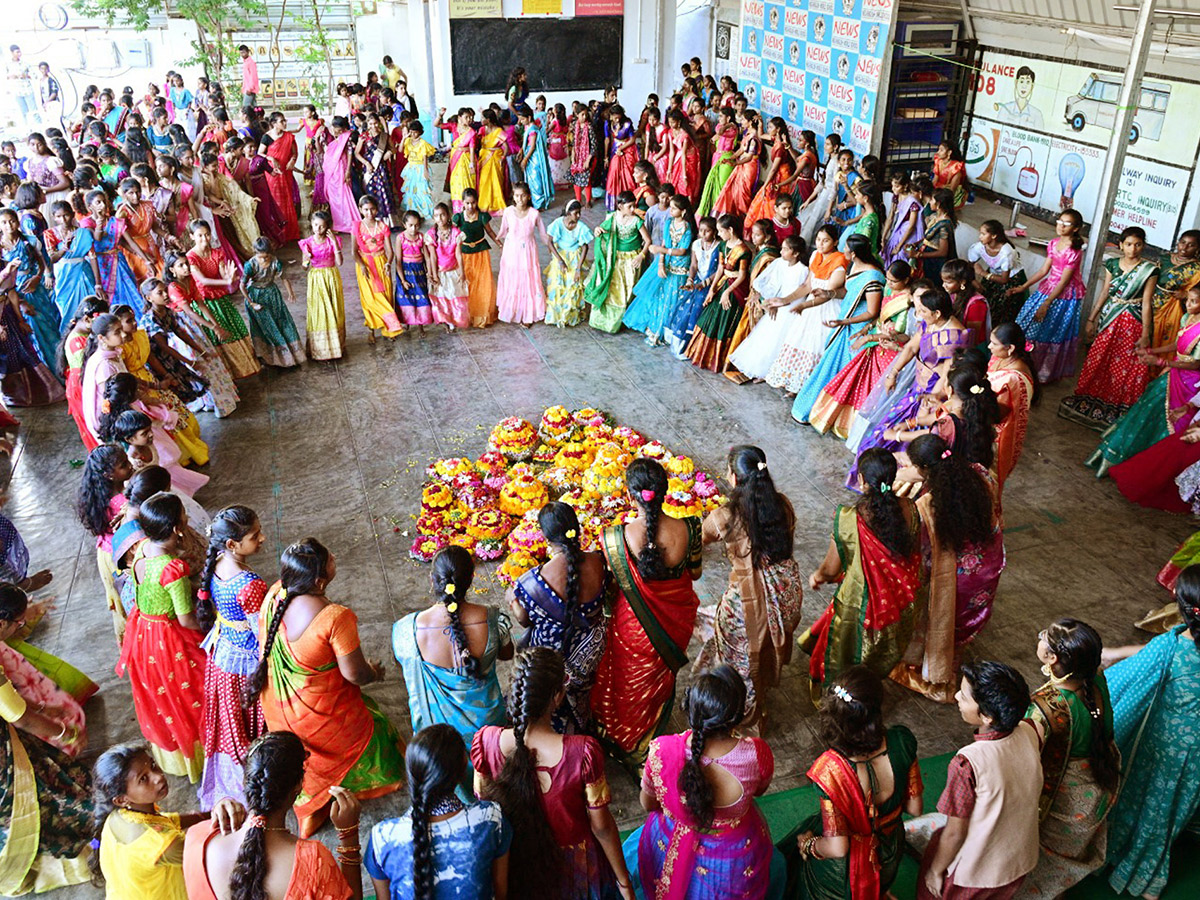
(337, 451)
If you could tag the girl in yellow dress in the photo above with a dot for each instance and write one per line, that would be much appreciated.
(325, 323)
(230, 203)
(492, 147)
(418, 193)
(463, 172)
(373, 265)
(141, 848)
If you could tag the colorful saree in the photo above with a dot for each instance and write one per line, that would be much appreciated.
(281, 180)
(872, 615)
(645, 647)
(875, 831)
(1156, 711)
(834, 408)
(716, 325)
(1073, 832)
(452, 696)
(338, 192)
(491, 168)
(46, 810)
(763, 204)
(738, 191)
(610, 283)
(1146, 422)
(1113, 377)
(1014, 395)
(721, 169)
(1173, 280)
(732, 859)
(140, 222)
(962, 590)
(537, 168)
(1055, 338)
(620, 167)
(548, 628)
(349, 741)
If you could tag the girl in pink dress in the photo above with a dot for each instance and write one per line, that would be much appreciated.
(447, 286)
(520, 295)
(336, 165)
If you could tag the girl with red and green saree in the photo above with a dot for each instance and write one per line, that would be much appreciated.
(874, 557)
(654, 560)
(851, 850)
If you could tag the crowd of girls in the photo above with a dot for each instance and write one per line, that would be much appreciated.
(254, 691)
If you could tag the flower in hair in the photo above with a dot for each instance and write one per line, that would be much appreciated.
(761, 466)
(841, 693)
(449, 589)
(1029, 346)
(570, 534)
(283, 593)
(257, 821)
(977, 389)
(647, 496)
(203, 594)
(946, 454)
(105, 406)
(451, 607)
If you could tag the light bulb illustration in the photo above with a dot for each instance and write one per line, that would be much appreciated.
(1071, 170)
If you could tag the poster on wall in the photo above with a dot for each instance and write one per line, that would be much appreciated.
(599, 7)
(475, 9)
(816, 63)
(1041, 130)
(541, 7)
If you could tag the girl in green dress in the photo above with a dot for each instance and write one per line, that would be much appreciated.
(276, 340)
(622, 243)
(711, 339)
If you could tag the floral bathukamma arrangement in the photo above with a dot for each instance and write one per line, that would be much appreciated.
(490, 505)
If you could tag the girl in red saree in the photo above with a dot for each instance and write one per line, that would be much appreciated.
(310, 682)
(851, 850)
(736, 195)
(624, 156)
(279, 146)
(705, 836)
(780, 167)
(683, 166)
(654, 561)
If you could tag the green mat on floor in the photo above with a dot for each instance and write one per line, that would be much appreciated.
(784, 809)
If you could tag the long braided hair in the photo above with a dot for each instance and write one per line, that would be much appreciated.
(110, 774)
(274, 769)
(536, 865)
(759, 508)
(715, 704)
(231, 523)
(1077, 647)
(962, 503)
(881, 506)
(435, 761)
(301, 566)
(647, 483)
(453, 571)
(560, 525)
(1187, 596)
(98, 487)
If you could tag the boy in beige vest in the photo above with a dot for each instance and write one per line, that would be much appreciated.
(990, 840)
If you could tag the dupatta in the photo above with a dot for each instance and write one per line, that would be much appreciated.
(636, 591)
(1182, 384)
(1125, 290)
(834, 775)
(604, 254)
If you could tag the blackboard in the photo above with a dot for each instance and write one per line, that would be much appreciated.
(578, 54)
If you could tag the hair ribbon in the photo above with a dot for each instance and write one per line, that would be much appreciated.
(946, 454)
(841, 693)
(647, 496)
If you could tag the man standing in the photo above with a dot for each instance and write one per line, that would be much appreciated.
(249, 78)
(21, 85)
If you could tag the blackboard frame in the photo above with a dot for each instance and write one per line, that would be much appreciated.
(534, 43)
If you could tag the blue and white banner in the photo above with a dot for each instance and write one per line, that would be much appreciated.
(816, 63)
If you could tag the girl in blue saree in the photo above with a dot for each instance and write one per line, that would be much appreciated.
(77, 270)
(448, 653)
(1155, 693)
(657, 293)
(536, 160)
(864, 297)
(561, 602)
(37, 307)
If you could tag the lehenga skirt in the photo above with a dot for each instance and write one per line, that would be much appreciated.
(449, 299)
(1113, 378)
(276, 340)
(166, 675)
(229, 729)
(375, 292)
(412, 302)
(1142, 426)
(654, 300)
(714, 330)
(625, 271)
(682, 324)
(325, 323)
(564, 289)
(481, 289)
(236, 350)
(222, 397)
(1056, 337)
(848, 392)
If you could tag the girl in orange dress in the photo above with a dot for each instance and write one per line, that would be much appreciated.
(779, 173)
(315, 663)
(950, 172)
(141, 224)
